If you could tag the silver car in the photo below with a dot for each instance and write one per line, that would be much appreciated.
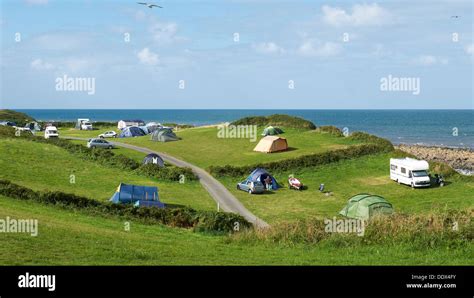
(99, 143)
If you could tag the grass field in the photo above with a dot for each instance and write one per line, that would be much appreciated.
(202, 147)
(72, 238)
(47, 167)
(367, 174)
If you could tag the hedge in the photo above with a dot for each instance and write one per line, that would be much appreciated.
(183, 217)
(380, 145)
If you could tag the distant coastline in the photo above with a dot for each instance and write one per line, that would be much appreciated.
(441, 128)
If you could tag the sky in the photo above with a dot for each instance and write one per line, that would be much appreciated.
(240, 54)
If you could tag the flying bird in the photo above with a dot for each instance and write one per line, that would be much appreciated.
(150, 5)
(456, 17)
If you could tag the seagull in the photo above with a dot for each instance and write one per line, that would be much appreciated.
(150, 5)
(456, 17)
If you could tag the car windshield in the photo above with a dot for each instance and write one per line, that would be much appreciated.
(419, 173)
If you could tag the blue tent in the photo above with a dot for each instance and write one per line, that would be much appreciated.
(260, 174)
(127, 193)
(131, 131)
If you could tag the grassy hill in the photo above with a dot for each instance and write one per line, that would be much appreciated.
(46, 167)
(14, 116)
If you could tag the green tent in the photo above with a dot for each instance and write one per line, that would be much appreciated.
(364, 206)
(164, 135)
(271, 131)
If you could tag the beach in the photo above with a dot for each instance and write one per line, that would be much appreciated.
(462, 160)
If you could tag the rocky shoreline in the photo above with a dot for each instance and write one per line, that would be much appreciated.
(462, 160)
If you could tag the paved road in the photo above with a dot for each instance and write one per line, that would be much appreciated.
(218, 192)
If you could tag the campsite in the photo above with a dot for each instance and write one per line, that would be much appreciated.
(229, 161)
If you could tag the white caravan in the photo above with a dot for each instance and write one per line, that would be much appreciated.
(83, 124)
(410, 171)
(51, 132)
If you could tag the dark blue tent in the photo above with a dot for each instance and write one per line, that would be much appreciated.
(260, 174)
(127, 193)
(131, 131)
(153, 158)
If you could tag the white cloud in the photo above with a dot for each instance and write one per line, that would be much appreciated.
(165, 33)
(61, 41)
(362, 15)
(147, 57)
(36, 2)
(429, 60)
(470, 49)
(316, 48)
(268, 48)
(39, 64)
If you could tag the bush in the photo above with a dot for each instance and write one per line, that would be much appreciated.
(331, 130)
(277, 120)
(166, 173)
(7, 131)
(183, 217)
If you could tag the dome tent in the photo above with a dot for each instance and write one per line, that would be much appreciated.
(260, 174)
(271, 131)
(271, 144)
(153, 158)
(131, 131)
(364, 206)
(164, 135)
(146, 196)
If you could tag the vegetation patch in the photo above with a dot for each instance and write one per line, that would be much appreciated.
(108, 158)
(448, 228)
(14, 116)
(277, 120)
(183, 217)
(375, 145)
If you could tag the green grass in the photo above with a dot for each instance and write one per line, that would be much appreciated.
(344, 179)
(73, 238)
(47, 167)
(202, 147)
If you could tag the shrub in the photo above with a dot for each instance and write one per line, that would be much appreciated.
(166, 173)
(331, 130)
(277, 120)
(7, 131)
(183, 217)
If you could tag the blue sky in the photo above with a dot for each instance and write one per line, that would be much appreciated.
(279, 41)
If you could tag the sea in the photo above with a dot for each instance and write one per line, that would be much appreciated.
(447, 128)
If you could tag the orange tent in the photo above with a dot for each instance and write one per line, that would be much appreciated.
(271, 144)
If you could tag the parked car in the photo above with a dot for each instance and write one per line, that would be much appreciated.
(252, 187)
(51, 132)
(99, 143)
(108, 134)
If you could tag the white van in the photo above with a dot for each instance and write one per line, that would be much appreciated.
(410, 171)
(51, 132)
(86, 126)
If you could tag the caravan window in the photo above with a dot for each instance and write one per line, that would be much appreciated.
(403, 170)
(393, 167)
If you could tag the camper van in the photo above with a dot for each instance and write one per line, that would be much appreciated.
(83, 124)
(410, 171)
(51, 132)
